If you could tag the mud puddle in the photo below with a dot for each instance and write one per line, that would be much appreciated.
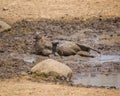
(111, 80)
(30, 60)
(100, 77)
(96, 34)
(25, 57)
(105, 58)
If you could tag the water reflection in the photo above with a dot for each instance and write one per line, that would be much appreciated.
(99, 80)
(105, 58)
(29, 60)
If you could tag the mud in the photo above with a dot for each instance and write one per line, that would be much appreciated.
(97, 80)
(18, 53)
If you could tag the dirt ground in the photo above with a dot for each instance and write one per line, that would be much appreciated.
(23, 87)
(14, 10)
(94, 23)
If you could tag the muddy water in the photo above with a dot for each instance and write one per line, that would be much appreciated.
(101, 35)
(29, 60)
(99, 80)
(105, 58)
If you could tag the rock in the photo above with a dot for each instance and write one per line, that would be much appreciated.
(4, 26)
(65, 51)
(44, 46)
(85, 54)
(68, 48)
(86, 48)
(52, 68)
(46, 52)
(5, 8)
(24, 73)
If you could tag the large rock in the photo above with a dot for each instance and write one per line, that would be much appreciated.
(52, 68)
(4, 26)
(67, 48)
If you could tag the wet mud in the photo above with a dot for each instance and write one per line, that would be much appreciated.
(111, 80)
(18, 53)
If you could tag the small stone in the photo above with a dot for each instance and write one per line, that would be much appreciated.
(24, 73)
(5, 8)
(85, 54)
(4, 26)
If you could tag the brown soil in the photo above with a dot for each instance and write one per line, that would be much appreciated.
(14, 10)
(23, 87)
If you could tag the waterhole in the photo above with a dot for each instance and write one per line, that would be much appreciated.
(98, 79)
(111, 80)
(105, 58)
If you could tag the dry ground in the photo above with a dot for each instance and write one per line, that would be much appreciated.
(23, 87)
(13, 10)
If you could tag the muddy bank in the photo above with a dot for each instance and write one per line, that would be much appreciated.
(19, 42)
